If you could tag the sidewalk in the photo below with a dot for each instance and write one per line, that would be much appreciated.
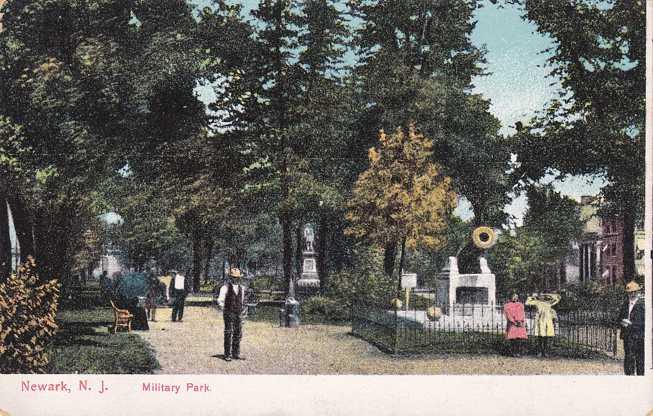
(194, 346)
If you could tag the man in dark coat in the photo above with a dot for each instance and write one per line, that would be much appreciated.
(231, 300)
(631, 319)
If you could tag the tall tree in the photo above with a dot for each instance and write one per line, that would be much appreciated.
(403, 198)
(596, 124)
(416, 64)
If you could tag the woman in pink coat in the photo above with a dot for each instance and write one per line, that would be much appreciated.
(515, 327)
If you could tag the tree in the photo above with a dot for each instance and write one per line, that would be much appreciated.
(596, 124)
(532, 258)
(402, 198)
(94, 88)
(417, 62)
(280, 103)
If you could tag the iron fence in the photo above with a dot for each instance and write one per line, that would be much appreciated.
(475, 328)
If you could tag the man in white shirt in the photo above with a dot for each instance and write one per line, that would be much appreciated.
(179, 292)
(231, 300)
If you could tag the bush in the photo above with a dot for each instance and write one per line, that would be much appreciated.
(364, 283)
(321, 308)
(591, 296)
(266, 283)
(27, 320)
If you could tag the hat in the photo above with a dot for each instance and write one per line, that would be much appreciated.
(633, 287)
(235, 273)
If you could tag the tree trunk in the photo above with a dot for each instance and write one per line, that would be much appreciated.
(197, 261)
(5, 241)
(629, 244)
(287, 251)
(389, 258)
(299, 248)
(401, 266)
(208, 256)
(321, 259)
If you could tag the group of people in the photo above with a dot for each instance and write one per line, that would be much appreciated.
(177, 289)
(545, 318)
(631, 322)
(231, 299)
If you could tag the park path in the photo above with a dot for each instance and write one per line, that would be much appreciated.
(194, 346)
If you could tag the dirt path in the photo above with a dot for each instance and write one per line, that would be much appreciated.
(194, 346)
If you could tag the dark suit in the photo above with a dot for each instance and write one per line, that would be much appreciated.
(633, 336)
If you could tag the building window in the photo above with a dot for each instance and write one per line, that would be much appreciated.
(613, 249)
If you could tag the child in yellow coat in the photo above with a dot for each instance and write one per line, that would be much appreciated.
(544, 318)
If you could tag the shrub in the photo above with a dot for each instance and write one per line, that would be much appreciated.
(364, 283)
(27, 320)
(591, 296)
(266, 283)
(324, 308)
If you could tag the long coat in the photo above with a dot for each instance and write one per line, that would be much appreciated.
(515, 328)
(636, 329)
(545, 315)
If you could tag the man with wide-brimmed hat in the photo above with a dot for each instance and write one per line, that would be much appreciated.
(631, 319)
(231, 300)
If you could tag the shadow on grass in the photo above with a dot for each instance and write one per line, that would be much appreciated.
(83, 344)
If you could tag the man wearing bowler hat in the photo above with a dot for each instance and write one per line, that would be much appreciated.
(231, 300)
(631, 319)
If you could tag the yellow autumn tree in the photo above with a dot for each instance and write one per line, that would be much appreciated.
(402, 198)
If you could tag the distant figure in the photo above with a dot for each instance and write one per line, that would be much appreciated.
(231, 300)
(544, 319)
(516, 326)
(151, 297)
(105, 285)
(180, 288)
(631, 319)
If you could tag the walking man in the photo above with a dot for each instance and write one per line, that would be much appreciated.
(179, 292)
(631, 319)
(231, 300)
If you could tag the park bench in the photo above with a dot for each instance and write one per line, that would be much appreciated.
(122, 318)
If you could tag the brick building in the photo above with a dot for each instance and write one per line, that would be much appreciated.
(598, 256)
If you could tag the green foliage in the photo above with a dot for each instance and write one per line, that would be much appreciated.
(416, 63)
(27, 321)
(554, 217)
(365, 282)
(519, 263)
(592, 296)
(266, 283)
(326, 308)
(599, 114)
(531, 258)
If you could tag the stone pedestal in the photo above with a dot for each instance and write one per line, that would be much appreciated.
(309, 282)
(453, 288)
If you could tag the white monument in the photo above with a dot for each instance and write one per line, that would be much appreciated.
(309, 278)
(453, 288)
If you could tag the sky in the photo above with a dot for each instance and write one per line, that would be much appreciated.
(517, 85)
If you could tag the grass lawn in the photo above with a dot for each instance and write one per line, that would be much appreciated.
(83, 344)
